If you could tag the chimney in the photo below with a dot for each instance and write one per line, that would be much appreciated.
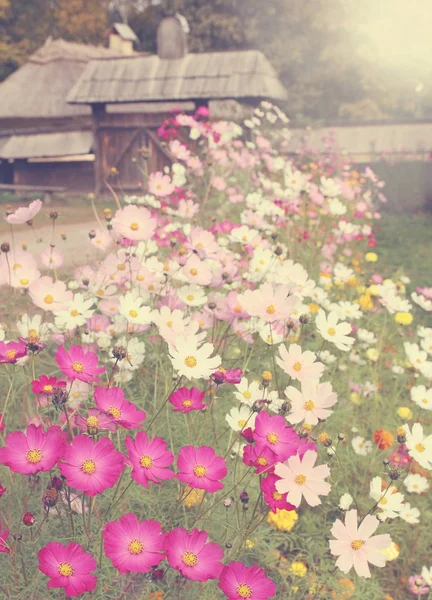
(121, 39)
(172, 37)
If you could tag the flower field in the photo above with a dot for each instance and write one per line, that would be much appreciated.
(232, 399)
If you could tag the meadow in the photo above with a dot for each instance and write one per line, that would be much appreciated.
(231, 398)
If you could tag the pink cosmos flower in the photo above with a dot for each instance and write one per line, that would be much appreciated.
(187, 399)
(125, 413)
(34, 450)
(299, 365)
(356, 546)
(269, 303)
(134, 223)
(49, 294)
(4, 534)
(300, 478)
(260, 457)
(90, 466)
(418, 585)
(68, 567)
(95, 421)
(149, 459)
(233, 376)
(51, 258)
(239, 582)
(201, 469)
(45, 385)
(77, 364)
(133, 546)
(312, 403)
(160, 185)
(10, 352)
(191, 554)
(272, 497)
(271, 431)
(197, 271)
(24, 214)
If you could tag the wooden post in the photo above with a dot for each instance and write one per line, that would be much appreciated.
(98, 113)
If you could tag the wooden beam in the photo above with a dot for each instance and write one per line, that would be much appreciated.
(98, 113)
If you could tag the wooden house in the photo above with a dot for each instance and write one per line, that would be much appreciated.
(136, 86)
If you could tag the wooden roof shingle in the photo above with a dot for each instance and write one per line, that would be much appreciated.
(210, 75)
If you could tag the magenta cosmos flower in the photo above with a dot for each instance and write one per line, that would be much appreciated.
(149, 459)
(23, 214)
(187, 399)
(34, 450)
(200, 468)
(191, 554)
(238, 582)
(4, 547)
(68, 567)
(356, 546)
(95, 421)
(227, 376)
(133, 546)
(45, 385)
(90, 466)
(125, 413)
(271, 431)
(272, 497)
(260, 457)
(77, 364)
(10, 352)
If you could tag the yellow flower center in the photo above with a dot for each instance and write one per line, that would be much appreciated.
(190, 298)
(262, 461)
(272, 438)
(190, 361)
(121, 267)
(135, 547)
(88, 466)
(133, 314)
(34, 456)
(193, 272)
(297, 367)
(169, 324)
(78, 367)
(65, 569)
(241, 423)
(247, 395)
(425, 401)
(146, 462)
(420, 447)
(48, 299)
(309, 405)
(92, 422)
(300, 479)
(383, 501)
(331, 331)
(186, 403)
(16, 266)
(24, 281)
(277, 496)
(237, 309)
(357, 544)
(134, 226)
(74, 312)
(269, 310)
(200, 471)
(190, 559)
(115, 412)
(48, 388)
(11, 354)
(244, 591)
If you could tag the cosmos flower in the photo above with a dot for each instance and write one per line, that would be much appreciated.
(78, 364)
(190, 553)
(90, 466)
(272, 497)
(68, 567)
(187, 399)
(24, 214)
(272, 431)
(239, 582)
(200, 468)
(45, 385)
(312, 404)
(33, 451)
(95, 421)
(356, 546)
(112, 401)
(332, 331)
(10, 352)
(133, 546)
(149, 459)
(298, 364)
(418, 445)
(192, 361)
(134, 223)
(299, 478)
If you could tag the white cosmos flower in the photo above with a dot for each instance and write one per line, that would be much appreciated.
(409, 514)
(79, 310)
(389, 500)
(248, 393)
(416, 483)
(193, 362)
(361, 446)
(419, 446)
(345, 501)
(241, 418)
(332, 331)
(422, 396)
(131, 308)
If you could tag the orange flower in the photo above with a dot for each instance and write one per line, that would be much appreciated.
(383, 438)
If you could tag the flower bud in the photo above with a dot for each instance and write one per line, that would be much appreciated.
(244, 497)
(57, 483)
(5, 247)
(50, 497)
(325, 439)
(401, 435)
(158, 574)
(28, 519)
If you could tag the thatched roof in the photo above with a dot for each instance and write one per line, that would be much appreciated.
(39, 88)
(44, 145)
(211, 75)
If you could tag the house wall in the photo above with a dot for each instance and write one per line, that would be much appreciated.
(75, 176)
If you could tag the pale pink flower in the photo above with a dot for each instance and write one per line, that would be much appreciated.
(312, 403)
(23, 214)
(51, 258)
(355, 545)
(160, 184)
(299, 365)
(197, 271)
(270, 303)
(101, 239)
(179, 150)
(134, 223)
(300, 478)
(50, 295)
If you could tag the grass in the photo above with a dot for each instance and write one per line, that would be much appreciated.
(405, 240)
